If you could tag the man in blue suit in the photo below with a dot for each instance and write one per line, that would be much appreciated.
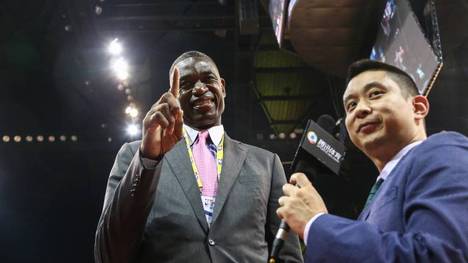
(417, 210)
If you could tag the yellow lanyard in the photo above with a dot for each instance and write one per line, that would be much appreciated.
(219, 159)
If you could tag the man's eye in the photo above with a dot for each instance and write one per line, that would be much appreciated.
(350, 106)
(375, 93)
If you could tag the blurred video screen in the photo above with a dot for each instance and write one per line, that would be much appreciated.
(401, 43)
(277, 10)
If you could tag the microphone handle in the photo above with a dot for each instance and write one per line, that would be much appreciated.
(280, 237)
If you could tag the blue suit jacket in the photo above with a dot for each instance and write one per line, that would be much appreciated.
(420, 213)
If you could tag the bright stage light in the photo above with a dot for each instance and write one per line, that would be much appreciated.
(132, 111)
(282, 135)
(6, 138)
(120, 68)
(115, 47)
(98, 10)
(133, 130)
(292, 135)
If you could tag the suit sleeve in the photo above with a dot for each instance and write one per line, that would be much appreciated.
(127, 202)
(435, 218)
(291, 251)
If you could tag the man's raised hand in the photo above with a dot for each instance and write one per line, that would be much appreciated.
(163, 124)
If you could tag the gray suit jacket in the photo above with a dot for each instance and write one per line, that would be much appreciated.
(157, 215)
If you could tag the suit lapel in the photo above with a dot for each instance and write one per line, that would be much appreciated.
(179, 162)
(234, 157)
(364, 214)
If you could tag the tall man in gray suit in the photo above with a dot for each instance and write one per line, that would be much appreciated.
(187, 192)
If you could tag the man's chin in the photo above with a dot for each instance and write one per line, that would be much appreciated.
(372, 142)
(203, 123)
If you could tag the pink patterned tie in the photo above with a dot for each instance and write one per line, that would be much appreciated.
(206, 165)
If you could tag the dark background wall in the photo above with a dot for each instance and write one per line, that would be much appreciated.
(55, 80)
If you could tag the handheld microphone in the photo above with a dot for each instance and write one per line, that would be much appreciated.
(322, 130)
(280, 237)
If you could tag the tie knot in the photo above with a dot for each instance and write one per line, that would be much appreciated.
(373, 192)
(202, 136)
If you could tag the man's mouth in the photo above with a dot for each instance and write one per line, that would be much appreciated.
(368, 127)
(203, 104)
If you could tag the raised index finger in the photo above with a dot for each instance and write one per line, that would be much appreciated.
(175, 83)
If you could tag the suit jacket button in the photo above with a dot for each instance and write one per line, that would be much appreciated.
(211, 242)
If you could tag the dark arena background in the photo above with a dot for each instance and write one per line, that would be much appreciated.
(77, 77)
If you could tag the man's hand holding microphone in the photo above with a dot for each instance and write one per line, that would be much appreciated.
(300, 203)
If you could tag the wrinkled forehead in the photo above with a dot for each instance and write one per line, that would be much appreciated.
(191, 65)
(198, 64)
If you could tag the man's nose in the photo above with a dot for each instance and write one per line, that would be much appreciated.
(363, 109)
(200, 88)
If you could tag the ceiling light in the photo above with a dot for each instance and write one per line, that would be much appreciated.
(132, 111)
(292, 135)
(133, 130)
(98, 10)
(115, 47)
(282, 135)
(120, 68)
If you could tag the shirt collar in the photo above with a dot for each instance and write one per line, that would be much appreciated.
(388, 168)
(216, 133)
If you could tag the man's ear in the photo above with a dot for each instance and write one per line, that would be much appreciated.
(223, 85)
(420, 107)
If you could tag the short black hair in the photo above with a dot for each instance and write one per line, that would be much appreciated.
(403, 79)
(192, 54)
